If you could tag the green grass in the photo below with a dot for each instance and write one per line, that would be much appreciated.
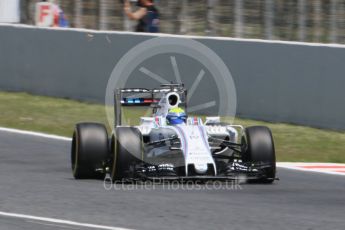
(58, 116)
(46, 114)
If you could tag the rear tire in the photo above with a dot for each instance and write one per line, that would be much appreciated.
(260, 149)
(127, 148)
(89, 150)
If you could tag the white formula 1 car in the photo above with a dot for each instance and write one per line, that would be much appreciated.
(196, 149)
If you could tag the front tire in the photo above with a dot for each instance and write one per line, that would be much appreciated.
(260, 150)
(89, 150)
(127, 146)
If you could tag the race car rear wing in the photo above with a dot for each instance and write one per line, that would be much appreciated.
(136, 98)
(138, 101)
(143, 97)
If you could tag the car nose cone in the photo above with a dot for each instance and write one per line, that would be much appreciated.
(201, 168)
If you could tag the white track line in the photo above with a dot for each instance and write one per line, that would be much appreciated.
(298, 166)
(60, 226)
(36, 134)
(59, 221)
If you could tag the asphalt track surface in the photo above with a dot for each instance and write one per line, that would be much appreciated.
(36, 179)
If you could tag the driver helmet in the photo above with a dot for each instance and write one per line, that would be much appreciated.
(176, 116)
